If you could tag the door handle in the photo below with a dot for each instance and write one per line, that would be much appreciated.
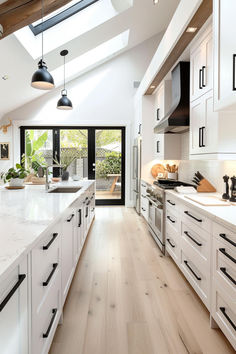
(158, 113)
(203, 129)
(200, 137)
(200, 79)
(158, 146)
(234, 64)
(21, 277)
(203, 76)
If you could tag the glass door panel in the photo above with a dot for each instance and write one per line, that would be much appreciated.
(74, 151)
(108, 163)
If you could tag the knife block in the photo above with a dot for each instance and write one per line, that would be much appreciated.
(205, 187)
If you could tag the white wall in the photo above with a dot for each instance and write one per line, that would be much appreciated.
(103, 96)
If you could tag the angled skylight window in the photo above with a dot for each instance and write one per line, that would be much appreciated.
(73, 27)
(60, 15)
(92, 58)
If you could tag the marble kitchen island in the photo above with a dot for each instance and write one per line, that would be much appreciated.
(41, 238)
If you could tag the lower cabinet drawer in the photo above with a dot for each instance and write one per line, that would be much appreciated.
(45, 321)
(144, 207)
(173, 244)
(198, 277)
(224, 313)
(172, 219)
(192, 217)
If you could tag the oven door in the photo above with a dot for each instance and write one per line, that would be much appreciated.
(155, 221)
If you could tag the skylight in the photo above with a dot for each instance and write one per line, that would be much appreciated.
(60, 15)
(73, 27)
(92, 58)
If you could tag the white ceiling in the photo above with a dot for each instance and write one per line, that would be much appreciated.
(140, 17)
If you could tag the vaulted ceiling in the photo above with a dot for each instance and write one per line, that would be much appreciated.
(102, 30)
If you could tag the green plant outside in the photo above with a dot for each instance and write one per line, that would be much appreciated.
(111, 165)
(33, 158)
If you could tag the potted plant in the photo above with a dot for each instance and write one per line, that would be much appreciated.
(66, 160)
(15, 176)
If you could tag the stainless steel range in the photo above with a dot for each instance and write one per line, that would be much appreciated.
(156, 210)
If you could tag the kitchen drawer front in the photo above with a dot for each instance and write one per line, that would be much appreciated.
(224, 235)
(143, 188)
(191, 217)
(45, 321)
(224, 313)
(172, 203)
(173, 243)
(224, 267)
(144, 207)
(173, 219)
(198, 240)
(45, 265)
(197, 275)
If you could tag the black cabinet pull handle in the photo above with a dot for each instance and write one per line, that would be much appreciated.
(86, 215)
(196, 276)
(170, 202)
(71, 217)
(203, 129)
(173, 221)
(139, 128)
(158, 146)
(200, 79)
(54, 236)
(80, 218)
(143, 196)
(21, 277)
(224, 271)
(200, 137)
(234, 59)
(88, 202)
(54, 267)
(54, 313)
(158, 113)
(203, 76)
(197, 243)
(193, 217)
(222, 250)
(227, 239)
(173, 246)
(222, 309)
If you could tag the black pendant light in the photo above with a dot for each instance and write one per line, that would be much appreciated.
(64, 103)
(42, 79)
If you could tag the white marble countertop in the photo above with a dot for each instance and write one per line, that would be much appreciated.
(25, 214)
(224, 215)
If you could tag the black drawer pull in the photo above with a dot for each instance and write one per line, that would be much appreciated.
(197, 243)
(143, 209)
(193, 217)
(203, 76)
(143, 185)
(143, 196)
(69, 219)
(200, 79)
(222, 250)
(173, 221)
(170, 202)
(223, 270)
(227, 239)
(222, 309)
(234, 57)
(173, 246)
(54, 313)
(54, 236)
(80, 218)
(86, 215)
(54, 267)
(21, 277)
(196, 276)
(88, 202)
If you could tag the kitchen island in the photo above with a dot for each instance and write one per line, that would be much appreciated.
(41, 237)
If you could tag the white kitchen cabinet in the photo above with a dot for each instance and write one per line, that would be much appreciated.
(224, 54)
(162, 101)
(201, 66)
(167, 146)
(14, 307)
(67, 251)
(211, 133)
(144, 201)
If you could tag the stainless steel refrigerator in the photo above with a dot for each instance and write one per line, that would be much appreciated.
(137, 151)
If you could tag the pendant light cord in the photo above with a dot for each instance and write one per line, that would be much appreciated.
(42, 14)
(64, 72)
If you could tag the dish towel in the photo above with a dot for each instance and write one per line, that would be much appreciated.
(185, 190)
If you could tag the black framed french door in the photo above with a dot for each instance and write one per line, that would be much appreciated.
(99, 152)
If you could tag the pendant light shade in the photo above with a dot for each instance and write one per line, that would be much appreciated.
(42, 79)
(64, 102)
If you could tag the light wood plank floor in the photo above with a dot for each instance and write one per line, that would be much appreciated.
(126, 298)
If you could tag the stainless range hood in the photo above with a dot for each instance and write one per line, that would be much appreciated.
(177, 119)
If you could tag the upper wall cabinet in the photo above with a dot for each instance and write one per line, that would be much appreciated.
(162, 101)
(224, 55)
(201, 72)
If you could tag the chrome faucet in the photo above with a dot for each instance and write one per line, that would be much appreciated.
(47, 184)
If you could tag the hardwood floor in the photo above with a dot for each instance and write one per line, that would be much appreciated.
(126, 298)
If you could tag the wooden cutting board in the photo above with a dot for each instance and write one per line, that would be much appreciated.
(208, 201)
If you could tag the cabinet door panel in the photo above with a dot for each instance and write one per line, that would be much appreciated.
(197, 60)
(197, 120)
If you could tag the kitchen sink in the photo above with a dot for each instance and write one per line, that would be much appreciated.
(65, 190)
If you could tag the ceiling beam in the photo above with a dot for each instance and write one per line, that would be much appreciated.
(200, 17)
(15, 14)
